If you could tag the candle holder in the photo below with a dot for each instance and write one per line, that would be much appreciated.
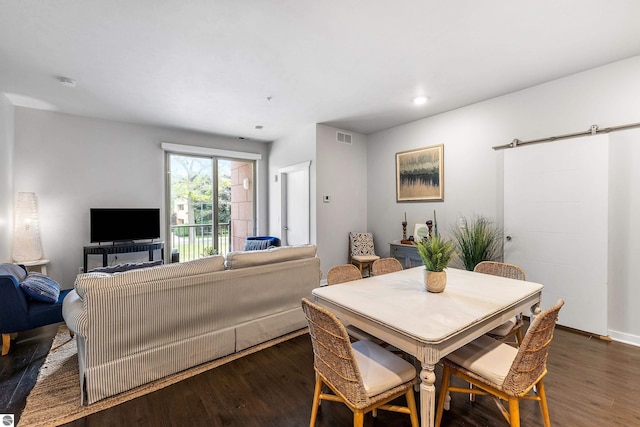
(404, 230)
(430, 227)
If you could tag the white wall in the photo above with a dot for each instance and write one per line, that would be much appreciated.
(7, 112)
(469, 172)
(605, 96)
(341, 174)
(74, 163)
(296, 148)
(624, 236)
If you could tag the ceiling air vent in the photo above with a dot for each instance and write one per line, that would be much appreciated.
(343, 137)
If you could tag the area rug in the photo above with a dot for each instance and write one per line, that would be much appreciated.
(55, 399)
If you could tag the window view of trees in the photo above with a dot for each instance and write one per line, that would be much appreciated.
(193, 204)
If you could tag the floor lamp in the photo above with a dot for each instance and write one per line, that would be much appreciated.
(26, 235)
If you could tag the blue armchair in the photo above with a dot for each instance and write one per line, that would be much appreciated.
(20, 313)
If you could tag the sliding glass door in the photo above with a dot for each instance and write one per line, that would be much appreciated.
(210, 205)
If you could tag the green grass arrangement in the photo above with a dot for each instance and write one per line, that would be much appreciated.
(481, 240)
(436, 253)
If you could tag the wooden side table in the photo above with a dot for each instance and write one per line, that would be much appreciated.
(40, 265)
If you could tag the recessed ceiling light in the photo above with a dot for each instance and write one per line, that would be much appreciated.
(67, 82)
(420, 100)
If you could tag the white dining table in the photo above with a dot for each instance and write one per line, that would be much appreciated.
(397, 308)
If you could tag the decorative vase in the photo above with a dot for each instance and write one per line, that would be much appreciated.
(435, 281)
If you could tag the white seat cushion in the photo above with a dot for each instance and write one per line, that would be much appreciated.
(505, 328)
(365, 258)
(381, 370)
(486, 357)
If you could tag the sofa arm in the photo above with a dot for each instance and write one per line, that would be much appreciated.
(73, 313)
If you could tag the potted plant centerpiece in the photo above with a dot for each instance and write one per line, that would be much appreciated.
(436, 254)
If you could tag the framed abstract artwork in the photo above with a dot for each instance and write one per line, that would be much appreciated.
(420, 175)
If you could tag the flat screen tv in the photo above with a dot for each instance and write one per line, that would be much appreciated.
(123, 225)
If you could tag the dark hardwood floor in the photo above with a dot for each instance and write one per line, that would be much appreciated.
(590, 383)
(19, 369)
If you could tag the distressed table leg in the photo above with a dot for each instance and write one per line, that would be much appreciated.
(535, 311)
(427, 395)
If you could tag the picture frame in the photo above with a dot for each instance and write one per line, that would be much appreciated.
(420, 174)
(420, 232)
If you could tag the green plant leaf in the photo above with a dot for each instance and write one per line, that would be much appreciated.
(481, 240)
(436, 253)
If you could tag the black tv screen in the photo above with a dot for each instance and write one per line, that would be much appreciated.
(117, 224)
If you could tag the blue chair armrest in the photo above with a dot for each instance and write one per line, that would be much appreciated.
(14, 307)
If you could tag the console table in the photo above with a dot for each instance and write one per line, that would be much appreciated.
(117, 248)
(406, 254)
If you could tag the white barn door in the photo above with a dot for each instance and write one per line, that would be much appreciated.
(556, 224)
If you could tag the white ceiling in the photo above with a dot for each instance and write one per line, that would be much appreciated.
(211, 66)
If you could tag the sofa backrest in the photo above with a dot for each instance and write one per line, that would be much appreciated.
(167, 271)
(273, 254)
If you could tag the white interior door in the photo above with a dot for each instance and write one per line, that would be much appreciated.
(556, 223)
(295, 215)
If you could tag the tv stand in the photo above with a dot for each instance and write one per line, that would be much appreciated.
(121, 248)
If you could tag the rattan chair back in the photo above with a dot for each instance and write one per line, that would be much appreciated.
(333, 356)
(343, 273)
(386, 265)
(500, 269)
(530, 363)
(510, 271)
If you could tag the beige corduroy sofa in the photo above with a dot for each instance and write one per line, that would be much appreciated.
(141, 325)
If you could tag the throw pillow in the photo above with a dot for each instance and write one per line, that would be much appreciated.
(13, 270)
(40, 288)
(256, 245)
(119, 268)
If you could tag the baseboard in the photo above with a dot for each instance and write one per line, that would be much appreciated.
(625, 338)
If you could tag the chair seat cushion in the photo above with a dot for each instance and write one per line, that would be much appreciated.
(486, 357)
(505, 328)
(40, 288)
(381, 370)
(46, 313)
(365, 258)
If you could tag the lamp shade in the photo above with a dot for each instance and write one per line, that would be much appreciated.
(26, 234)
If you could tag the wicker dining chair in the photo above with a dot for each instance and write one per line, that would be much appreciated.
(348, 273)
(514, 326)
(504, 372)
(362, 375)
(385, 265)
(343, 273)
